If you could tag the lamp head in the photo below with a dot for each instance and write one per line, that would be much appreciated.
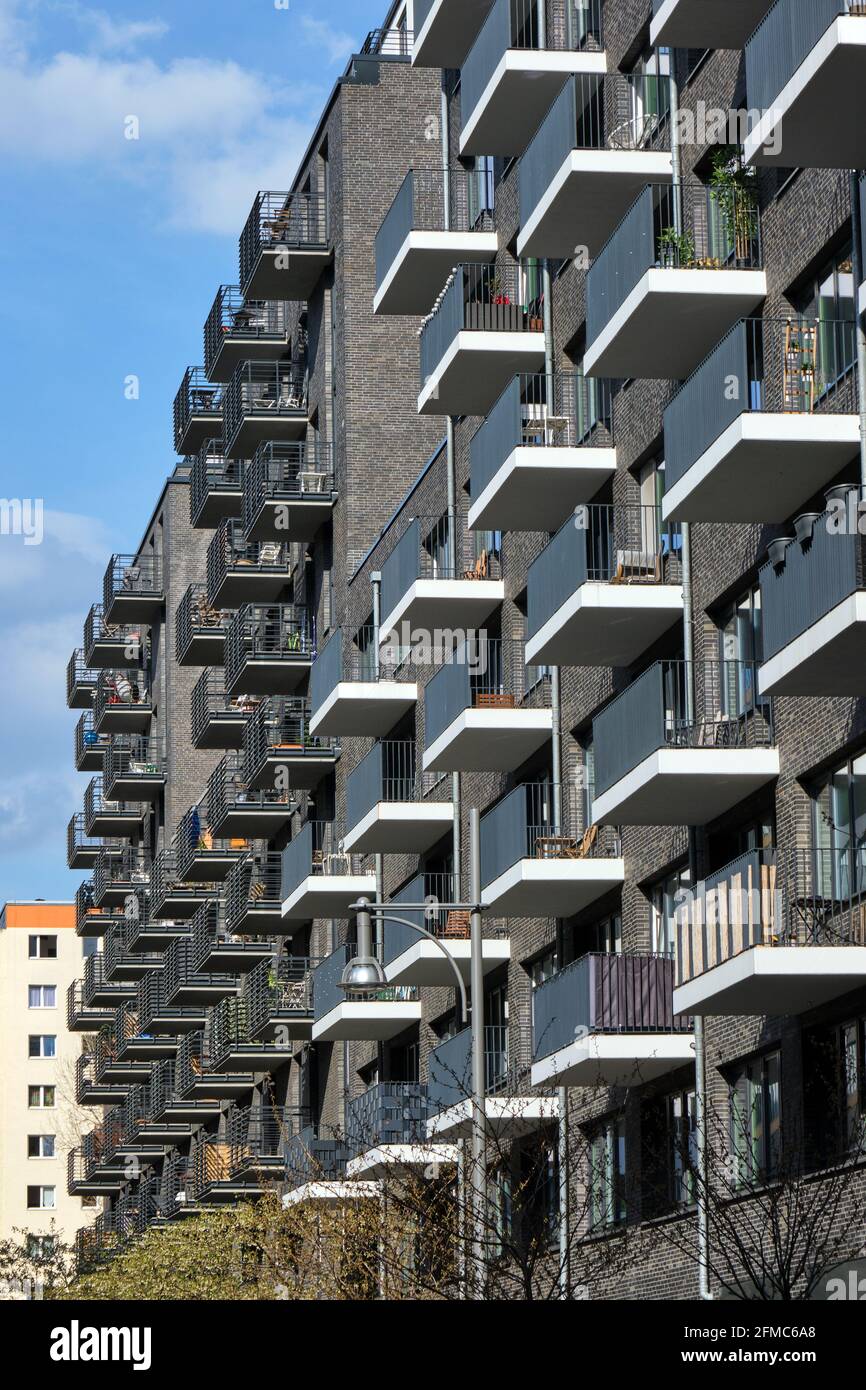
(362, 977)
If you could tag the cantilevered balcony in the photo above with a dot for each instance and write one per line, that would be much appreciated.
(705, 23)
(285, 245)
(546, 446)
(145, 933)
(744, 946)
(80, 1016)
(80, 681)
(215, 945)
(392, 806)
(484, 710)
(247, 1156)
(91, 920)
(93, 1170)
(236, 810)
(102, 816)
(608, 1020)
(216, 486)
(337, 1018)
(279, 999)
(242, 330)
(233, 1049)
(138, 1139)
(89, 745)
(199, 629)
(665, 289)
(436, 220)
(813, 605)
(167, 1110)
(119, 963)
(158, 1009)
(386, 1129)
(805, 65)
(253, 896)
(604, 589)
(432, 581)
(525, 51)
(320, 877)
(88, 1091)
(764, 423)
(186, 985)
(316, 1162)
(445, 30)
(264, 401)
(82, 850)
(268, 650)
(118, 873)
(663, 759)
(123, 703)
(218, 720)
(132, 590)
(242, 571)
(124, 1056)
(115, 645)
(98, 991)
(410, 959)
(201, 856)
(198, 411)
(477, 337)
(356, 688)
(134, 768)
(289, 491)
(278, 747)
(511, 1109)
(171, 896)
(597, 147)
(196, 1078)
(537, 860)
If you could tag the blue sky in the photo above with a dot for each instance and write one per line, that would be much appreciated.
(111, 251)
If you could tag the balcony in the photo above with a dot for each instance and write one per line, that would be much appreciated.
(289, 491)
(431, 581)
(237, 811)
(89, 745)
(200, 856)
(91, 920)
(171, 1116)
(92, 1172)
(137, 1139)
(483, 711)
(666, 288)
(121, 965)
(604, 589)
(132, 590)
(88, 1091)
(813, 604)
(600, 143)
(115, 645)
(253, 898)
(339, 1019)
(743, 950)
(705, 23)
(658, 761)
(199, 630)
(316, 1169)
(264, 401)
(195, 1077)
(391, 806)
(285, 246)
(537, 864)
(241, 571)
(477, 337)
(82, 1017)
(356, 690)
(80, 682)
(758, 452)
(82, 851)
(269, 650)
(546, 445)
(98, 990)
(279, 999)
(144, 933)
(134, 768)
(417, 244)
(386, 1127)
(410, 959)
(218, 720)
(170, 895)
(445, 30)
(278, 746)
(198, 412)
(119, 873)
(805, 65)
(103, 816)
(123, 703)
(239, 1162)
(215, 945)
(609, 1020)
(187, 987)
(524, 53)
(510, 1108)
(233, 1049)
(121, 1055)
(216, 486)
(240, 330)
(320, 878)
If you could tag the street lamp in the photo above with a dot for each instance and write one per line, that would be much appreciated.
(364, 976)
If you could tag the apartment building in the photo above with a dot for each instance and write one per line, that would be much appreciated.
(534, 493)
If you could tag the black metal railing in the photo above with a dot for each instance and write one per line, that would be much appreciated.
(124, 871)
(197, 617)
(81, 848)
(98, 807)
(262, 632)
(211, 703)
(228, 790)
(265, 391)
(117, 691)
(198, 853)
(427, 550)
(282, 473)
(133, 759)
(389, 772)
(197, 399)
(124, 639)
(389, 43)
(212, 477)
(134, 577)
(230, 550)
(254, 885)
(234, 318)
(280, 221)
(279, 990)
(317, 849)
(281, 726)
(89, 745)
(80, 680)
(421, 204)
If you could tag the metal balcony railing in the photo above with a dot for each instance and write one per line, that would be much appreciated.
(125, 871)
(262, 1133)
(123, 638)
(449, 1067)
(430, 888)
(312, 1157)
(525, 825)
(389, 43)
(425, 551)
(266, 632)
(281, 725)
(283, 473)
(266, 391)
(783, 41)
(80, 680)
(195, 846)
(826, 897)
(99, 807)
(733, 909)
(476, 298)
(89, 745)
(209, 931)
(228, 790)
(317, 849)
(180, 972)
(420, 206)
(197, 617)
(197, 398)
(389, 772)
(212, 475)
(91, 920)
(229, 1030)
(136, 577)
(81, 848)
(283, 220)
(328, 993)
(234, 317)
(80, 1015)
(352, 654)
(485, 673)
(210, 703)
(98, 988)
(279, 990)
(117, 691)
(168, 890)
(254, 884)
(229, 550)
(133, 758)
(391, 1112)
(173, 1184)
(192, 1062)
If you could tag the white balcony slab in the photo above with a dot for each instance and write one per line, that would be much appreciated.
(829, 658)
(685, 786)
(364, 709)
(671, 321)
(495, 740)
(508, 1117)
(706, 23)
(423, 264)
(816, 121)
(537, 487)
(476, 369)
(434, 604)
(587, 199)
(327, 895)
(774, 979)
(552, 887)
(423, 963)
(763, 467)
(519, 95)
(374, 1020)
(615, 1059)
(448, 32)
(606, 625)
(332, 1192)
(379, 1162)
(401, 827)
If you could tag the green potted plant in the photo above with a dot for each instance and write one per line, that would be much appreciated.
(675, 249)
(733, 189)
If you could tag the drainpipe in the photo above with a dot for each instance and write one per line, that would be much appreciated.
(859, 276)
(478, 1175)
(376, 586)
(542, 23)
(444, 146)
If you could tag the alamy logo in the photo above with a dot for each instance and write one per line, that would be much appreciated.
(77, 1343)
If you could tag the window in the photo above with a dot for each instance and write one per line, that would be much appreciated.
(40, 1247)
(664, 903)
(649, 92)
(42, 947)
(740, 652)
(587, 787)
(41, 1146)
(41, 1197)
(40, 1097)
(42, 997)
(606, 935)
(835, 1089)
(607, 1175)
(756, 1120)
(42, 1045)
(829, 299)
(839, 821)
(683, 1147)
(668, 1153)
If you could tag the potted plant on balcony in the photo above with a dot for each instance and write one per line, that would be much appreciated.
(675, 249)
(490, 307)
(733, 190)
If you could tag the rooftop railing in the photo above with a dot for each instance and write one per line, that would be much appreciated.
(484, 673)
(389, 43)
(233, 316)
(196, 397)
(421, 204)
(476, 298)
(89, 745)
(283, 220)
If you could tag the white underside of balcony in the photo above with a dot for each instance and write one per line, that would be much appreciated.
(331, 1192)
(401, 827)
(706, 23)
(829, 658)
(587, 199)
(537, 487)
(448, 33)
(423, 964)
(672, 320)
(495, 740)
(364, 709)
(423, 264)
(476, 370)
(615, 1059)
(685, 786)
(380, 1161)
(434, 604)
(368, 1021)
(817, 119)
(774, 980)
(552, 887)
(327, 895)
(763, 467)
(508, 1117)
(606, 625)
(519, 95)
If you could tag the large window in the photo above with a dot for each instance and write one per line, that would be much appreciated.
(42, 947)
(664, 903)
(829, 299)
(42, 997)
(669, 1152)
(607, 1175)
(740, 651)
(755, 1110)
(839, 821)
(835, 1089)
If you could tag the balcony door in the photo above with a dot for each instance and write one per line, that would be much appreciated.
(839, 812)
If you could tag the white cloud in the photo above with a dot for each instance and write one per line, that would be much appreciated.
(111, 35)
(337, 45)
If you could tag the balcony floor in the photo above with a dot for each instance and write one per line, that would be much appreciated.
(606, 625)
(448, 33)
(774, 980)
(300, 517)
(327, 895)
(615, 1059)
(115, 824)
(236, 348)
(671, 321)
(304, 767)
(489, 740)
(242, 584)
(364, 709)
(261, 675)
(686, 786)
(401, 827)
(763, 467)
(130, 607)
(211, 1086)
(257, 1057)
(552, 887)
(260, 918)
(587, 199)
(537, 487)
(423, 963)
(178, 1019)
(135, 786)
(829, 658)
(253, 822)
(219, 504)
(213, 865)
(434, 604)
(508, 1117)
(281, 1024)
(123, 719)
(423, 264)
(113, 653)
(368, 1021)
(476, 369)
(205, 648)
(294, 277)
(198, 430)
(265, 426)
(519, 95)
(706, 23)
(336, 1191)
(381, 1161)
(222, 731)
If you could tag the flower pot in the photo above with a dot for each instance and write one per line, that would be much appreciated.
(776, 550)
(804, 524)
(838, 493)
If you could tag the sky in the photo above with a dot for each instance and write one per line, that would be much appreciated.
(111, 252)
